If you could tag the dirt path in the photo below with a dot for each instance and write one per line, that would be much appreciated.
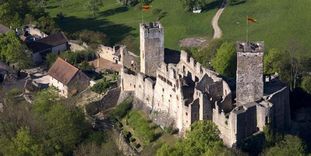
(217, 30)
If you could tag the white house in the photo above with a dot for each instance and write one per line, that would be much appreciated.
(68, 79)
(55, 43)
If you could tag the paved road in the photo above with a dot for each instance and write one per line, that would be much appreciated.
(217, 30)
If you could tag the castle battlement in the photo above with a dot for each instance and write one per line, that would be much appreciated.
(250, 47)
(153, 27)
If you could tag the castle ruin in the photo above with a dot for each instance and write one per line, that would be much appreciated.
(184, 92)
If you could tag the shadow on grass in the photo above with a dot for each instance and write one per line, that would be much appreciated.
(237, 2)
(213, 5)
(116, 32)
(113, 11)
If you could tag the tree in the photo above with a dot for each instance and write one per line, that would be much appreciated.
(12, 51)
(289, 64)
(25, 144)
(306, 83)
(47, 25)
(94, 6)
(93, 37)
(291, 145)
(203, 139)
(64, 125)
(13, 12)
(189, 5)
(129, 2)
(205, 54)
(224, 61)
(22, 144)
(46, 127)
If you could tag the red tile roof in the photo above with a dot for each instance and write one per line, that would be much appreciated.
(63, 71)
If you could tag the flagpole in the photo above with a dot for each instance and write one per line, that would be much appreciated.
(246, 29)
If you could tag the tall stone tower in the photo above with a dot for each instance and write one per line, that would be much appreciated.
(249, 78)
(151, 47)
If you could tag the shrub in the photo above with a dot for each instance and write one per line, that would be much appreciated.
(142, 128)
(93, 37)
(73, 58)
(306, 84)
(122, 109)
(101, 86)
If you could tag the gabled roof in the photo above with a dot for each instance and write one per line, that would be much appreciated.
(63, 71)
(4, 29)
(48, 42)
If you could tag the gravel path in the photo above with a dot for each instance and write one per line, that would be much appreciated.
(217, 30)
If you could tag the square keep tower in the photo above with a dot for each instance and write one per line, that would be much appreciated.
(151, 47)
(249, 78)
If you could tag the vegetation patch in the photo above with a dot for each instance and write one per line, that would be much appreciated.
(122, 109)
(121, 24)
(102, 86)
(141, 126)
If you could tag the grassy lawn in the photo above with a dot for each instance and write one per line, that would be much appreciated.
(141, 127)
(146, 132)
(119, 22)
(278, 22)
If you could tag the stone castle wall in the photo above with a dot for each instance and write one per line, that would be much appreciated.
(109, 53)
(164, 91)
(280, 110)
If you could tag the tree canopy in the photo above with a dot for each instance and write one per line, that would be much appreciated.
(203, 139)
(15, 13)
(224, 61)
(290, 145)
(306, 83)
(189, 5)
(48, 124)
(12, 51)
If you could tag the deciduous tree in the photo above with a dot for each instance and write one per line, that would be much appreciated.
(224, 61)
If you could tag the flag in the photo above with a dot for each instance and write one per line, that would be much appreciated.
(146, 7)
(251, 20)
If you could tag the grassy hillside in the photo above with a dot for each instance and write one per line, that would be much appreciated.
(119, 22)
(278, 22)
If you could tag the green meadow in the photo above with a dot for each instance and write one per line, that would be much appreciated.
(279, 22)
(121, 24)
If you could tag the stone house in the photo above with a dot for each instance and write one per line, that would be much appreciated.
(55, 43)
(68, 79)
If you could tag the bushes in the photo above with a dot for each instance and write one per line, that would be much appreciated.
(224, 61)
(93, 38)
(122, 109)
(306, 84)
(73, 58)
(141, 127)
(101, 86)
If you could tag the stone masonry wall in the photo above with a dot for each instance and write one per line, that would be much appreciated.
(249, 82)
(151, 47)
